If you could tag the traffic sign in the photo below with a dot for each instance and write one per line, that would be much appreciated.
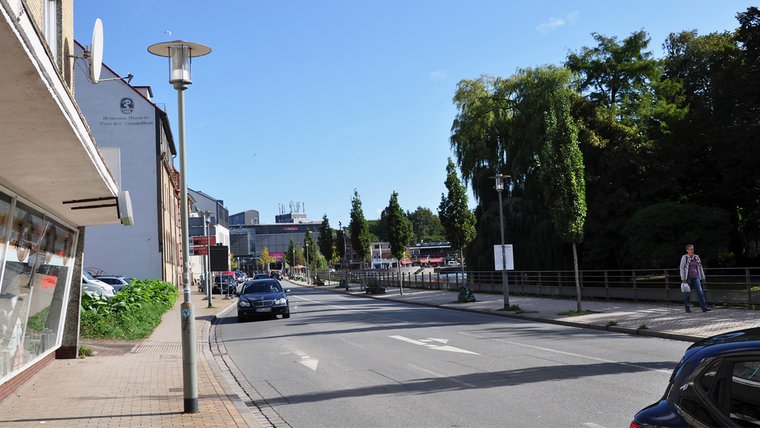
(198, 250)
(202, 240)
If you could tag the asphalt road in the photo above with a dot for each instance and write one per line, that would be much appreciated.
(343, 361)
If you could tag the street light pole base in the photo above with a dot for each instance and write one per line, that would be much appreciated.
(191, 405)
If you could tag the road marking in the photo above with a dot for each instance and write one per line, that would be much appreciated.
(304, 360)
(571, 354)
(593, 425)
(434, 346)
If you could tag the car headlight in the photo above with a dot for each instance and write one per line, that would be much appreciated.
(244, 304)
(281, 301)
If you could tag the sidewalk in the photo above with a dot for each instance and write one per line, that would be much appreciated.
(140, 383)
(667, 320)
(132, 384)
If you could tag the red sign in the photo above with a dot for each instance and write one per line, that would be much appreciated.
(202, 240)
(199, 250)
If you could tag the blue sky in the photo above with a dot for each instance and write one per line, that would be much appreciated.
(301, 102)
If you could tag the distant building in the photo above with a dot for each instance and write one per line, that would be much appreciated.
(202, 202)
(245, 217)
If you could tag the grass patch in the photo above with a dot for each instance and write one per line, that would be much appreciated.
(574, 313)
(133, 313)
(85, 351)
(513, 308)
(642, 327)
(611, 323)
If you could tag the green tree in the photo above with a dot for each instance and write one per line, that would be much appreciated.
(358, 229)
(427, 226)
(311, 252)
(294, 255)
(457, 219)
(625, 109)
(561, 161)
(340, 243)
(326, 240)
(400, 232)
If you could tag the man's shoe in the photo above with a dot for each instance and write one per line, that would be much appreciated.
(706, 310)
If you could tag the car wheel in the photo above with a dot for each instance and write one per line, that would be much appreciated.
(286, 314)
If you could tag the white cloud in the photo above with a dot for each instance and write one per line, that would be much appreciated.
(554, 23)
(437, 75)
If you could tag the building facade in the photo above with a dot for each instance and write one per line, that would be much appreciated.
(54, 181)
(123, 117)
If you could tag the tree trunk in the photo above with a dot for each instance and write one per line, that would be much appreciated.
(577, 276)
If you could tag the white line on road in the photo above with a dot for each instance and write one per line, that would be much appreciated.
(433, 346)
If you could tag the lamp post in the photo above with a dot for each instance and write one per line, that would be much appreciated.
(504, 280)
(180, 55)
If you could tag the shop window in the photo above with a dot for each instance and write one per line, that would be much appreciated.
(35, 269)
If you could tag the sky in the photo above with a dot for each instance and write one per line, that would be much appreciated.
(301, 102)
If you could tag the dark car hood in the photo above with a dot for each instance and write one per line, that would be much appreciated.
(263, 296)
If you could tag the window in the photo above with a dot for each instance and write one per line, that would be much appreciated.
(51, 20)
(744, 406)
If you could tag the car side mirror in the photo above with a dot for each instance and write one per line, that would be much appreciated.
(287, 290)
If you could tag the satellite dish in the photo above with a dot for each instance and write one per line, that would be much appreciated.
(96, 51)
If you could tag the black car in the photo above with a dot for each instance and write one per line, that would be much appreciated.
(224, 284)
(263, 298)
(716, 384)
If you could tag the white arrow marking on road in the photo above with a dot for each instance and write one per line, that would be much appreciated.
(434, 346)
(309, 362)
(305, 360)
(432, 339)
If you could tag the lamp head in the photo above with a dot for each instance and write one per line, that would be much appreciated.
(180, 54)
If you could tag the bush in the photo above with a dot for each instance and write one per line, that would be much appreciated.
(133, 313)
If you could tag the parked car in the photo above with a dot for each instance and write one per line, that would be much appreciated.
(276, 274)
(96, 287)
(115, 281)
(716, 384)
(224, 284)
(260, 276)
(263, 298)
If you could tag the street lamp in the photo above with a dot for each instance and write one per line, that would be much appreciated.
(504, 280)
(180, 55)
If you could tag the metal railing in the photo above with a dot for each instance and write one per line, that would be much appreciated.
(728, 286)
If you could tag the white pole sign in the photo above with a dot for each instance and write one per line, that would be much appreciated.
(503, 259)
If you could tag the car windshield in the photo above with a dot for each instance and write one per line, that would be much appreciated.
(264, 287)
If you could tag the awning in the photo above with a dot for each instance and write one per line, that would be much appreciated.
(47, 154)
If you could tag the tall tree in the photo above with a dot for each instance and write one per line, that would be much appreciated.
(340, 243)
(620, 116)
(427, 226)
(400, 232)
(457, 219)
(560, 160)
(326, 240)
(311, 252)
(358, 229)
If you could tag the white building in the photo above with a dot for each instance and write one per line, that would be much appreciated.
(124, 118)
